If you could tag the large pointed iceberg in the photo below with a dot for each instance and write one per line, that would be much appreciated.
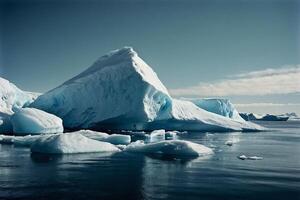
(120, 91)
(11, 97)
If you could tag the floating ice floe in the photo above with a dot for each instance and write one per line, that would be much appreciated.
(243, 157)
(65, 143)
(169, 147)
(34, 121)
(232, 141)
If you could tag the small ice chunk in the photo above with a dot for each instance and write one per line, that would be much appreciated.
(255, 158)
(242, 157)
(229, 143)
(170, 147)
(156, 136)
(65, 143)
(170, 135)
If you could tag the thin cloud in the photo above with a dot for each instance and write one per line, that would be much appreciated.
(264, 82)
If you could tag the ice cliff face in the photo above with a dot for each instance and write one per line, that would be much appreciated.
(11, 97)
(120, 91)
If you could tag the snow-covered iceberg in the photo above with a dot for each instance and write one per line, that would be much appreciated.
(121, 92)
(11, 97)
(170, 147)
(65, 143)
(34, 121)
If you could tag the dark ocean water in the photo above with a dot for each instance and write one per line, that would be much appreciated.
(133, 176)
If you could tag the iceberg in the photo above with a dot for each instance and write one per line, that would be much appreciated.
(12, 97)
(170, 147)
(267, 117)
(121, 92)
(33, 121)
(67, 143)
(116, 139)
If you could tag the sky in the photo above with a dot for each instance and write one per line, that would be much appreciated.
(247, 51)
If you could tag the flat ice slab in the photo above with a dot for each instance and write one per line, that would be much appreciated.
(170, 147)
(66, 143)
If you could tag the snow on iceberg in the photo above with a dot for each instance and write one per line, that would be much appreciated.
(33, 121)
(116, 139)
(11, 97)
(121, 92)
(170, 147)
(65, 143)
(218, 106)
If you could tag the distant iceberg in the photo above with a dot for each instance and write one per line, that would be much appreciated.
(267, 117)
(121, 92)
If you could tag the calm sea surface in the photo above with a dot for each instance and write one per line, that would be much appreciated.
(133, 176)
